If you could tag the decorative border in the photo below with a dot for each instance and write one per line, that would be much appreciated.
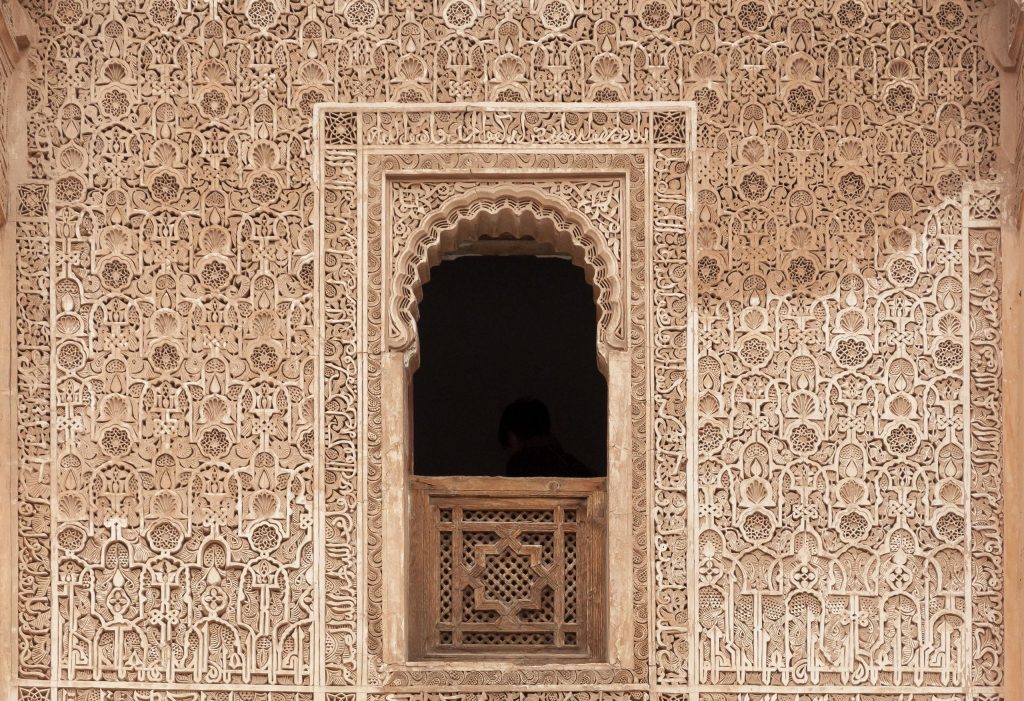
(651, 142)
(984, 212)
(555, 223)
(528, 173)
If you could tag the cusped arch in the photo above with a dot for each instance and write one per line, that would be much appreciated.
(523, 213)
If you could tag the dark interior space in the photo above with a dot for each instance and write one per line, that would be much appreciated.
(493, 329)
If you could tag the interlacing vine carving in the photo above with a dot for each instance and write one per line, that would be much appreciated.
(809, 302)
(389, 178)
(591, 246)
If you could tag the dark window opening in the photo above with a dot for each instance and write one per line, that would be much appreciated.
(495, 329)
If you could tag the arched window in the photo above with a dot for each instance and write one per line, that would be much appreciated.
(478, 566)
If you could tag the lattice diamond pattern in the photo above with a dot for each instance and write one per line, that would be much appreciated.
(508, 577)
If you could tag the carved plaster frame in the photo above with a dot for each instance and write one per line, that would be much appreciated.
(516, 201)
(465, 218)
(514, 157)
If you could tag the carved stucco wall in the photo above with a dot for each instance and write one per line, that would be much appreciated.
(844, 507)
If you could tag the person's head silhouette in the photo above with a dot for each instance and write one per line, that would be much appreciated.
(525, 433)
(523, 420)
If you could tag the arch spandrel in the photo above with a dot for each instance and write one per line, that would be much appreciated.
(523, 213)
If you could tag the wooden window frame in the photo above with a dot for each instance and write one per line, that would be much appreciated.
(576, 506)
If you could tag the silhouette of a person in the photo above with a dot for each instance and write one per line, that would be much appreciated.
(525, 433)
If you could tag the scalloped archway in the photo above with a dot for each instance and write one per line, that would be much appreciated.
(514, 211)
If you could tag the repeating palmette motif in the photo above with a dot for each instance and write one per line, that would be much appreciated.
(806, 285)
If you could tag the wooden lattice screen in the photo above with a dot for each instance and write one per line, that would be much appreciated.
(507, 568)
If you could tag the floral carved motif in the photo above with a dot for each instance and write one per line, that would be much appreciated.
(814, 327)
(610, 188)
(595, 249)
